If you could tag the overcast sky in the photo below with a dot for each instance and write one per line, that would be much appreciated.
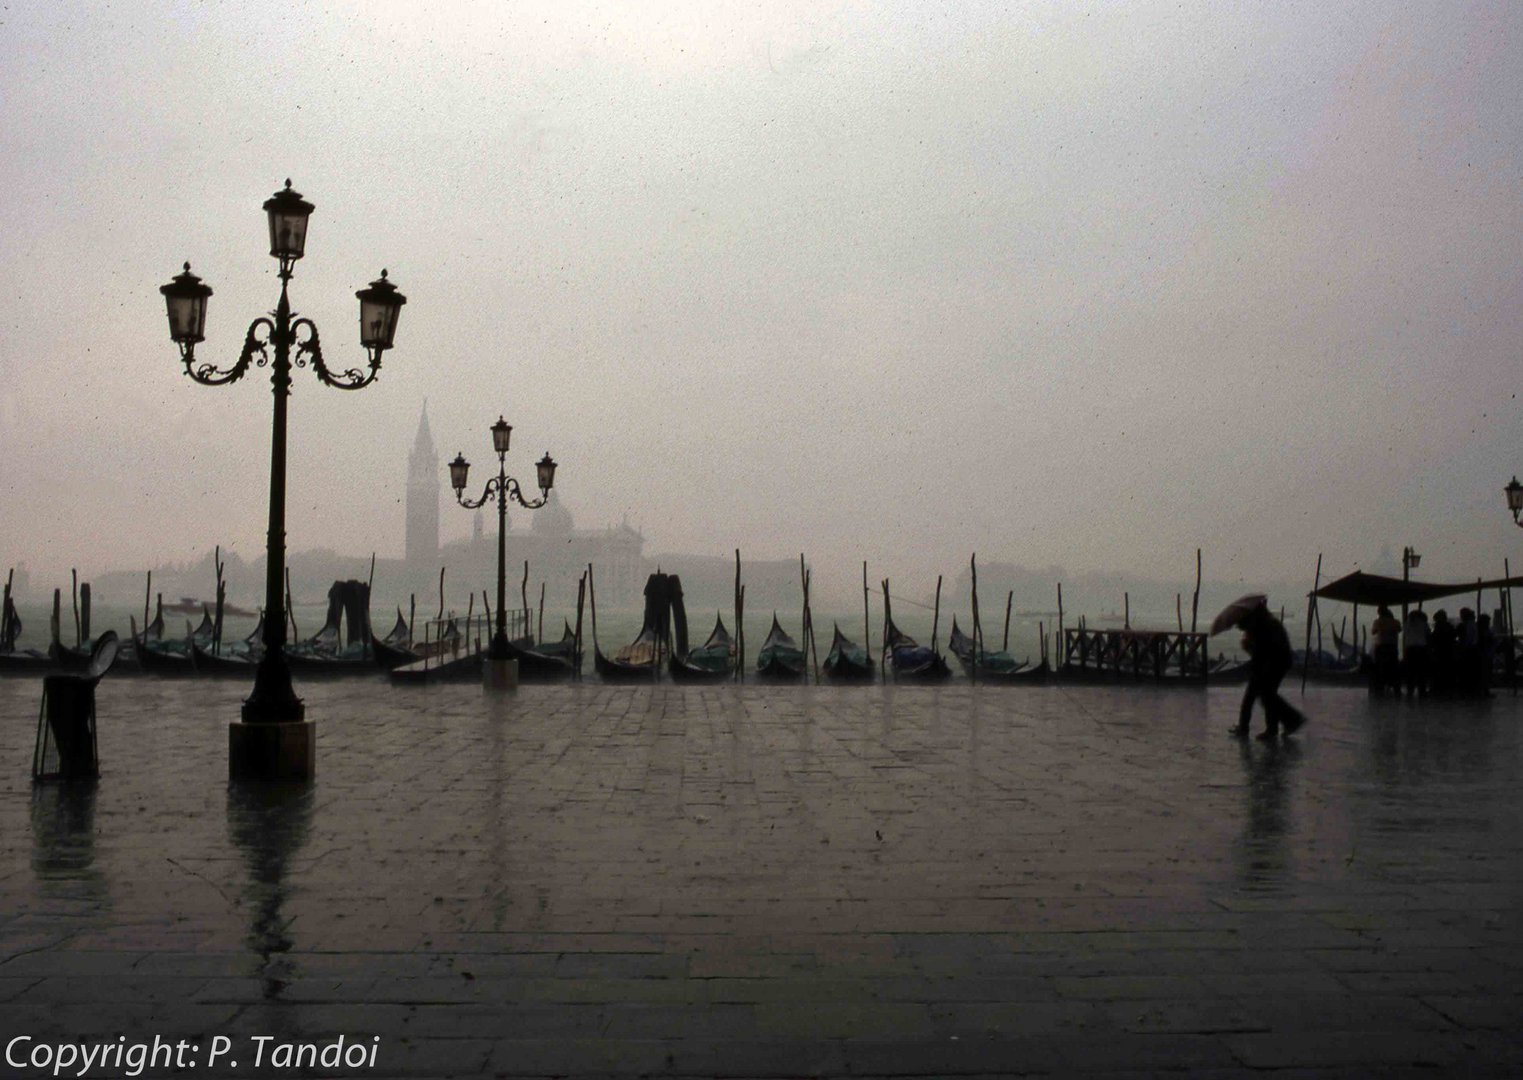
(1058, 283)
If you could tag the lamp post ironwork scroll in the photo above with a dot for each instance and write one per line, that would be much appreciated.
(502, 487)
(273, 701)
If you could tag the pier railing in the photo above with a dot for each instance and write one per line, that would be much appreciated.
(453, 637)
(1141, 654)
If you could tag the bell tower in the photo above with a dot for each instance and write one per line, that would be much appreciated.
(423, 486)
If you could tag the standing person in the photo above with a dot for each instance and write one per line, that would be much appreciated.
(1386, 630)
(1441, 653)
(1415, 661)
(1269, 659)
(1467, 653)
(1486, 644)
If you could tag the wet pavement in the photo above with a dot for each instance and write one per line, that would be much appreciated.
(776, 881)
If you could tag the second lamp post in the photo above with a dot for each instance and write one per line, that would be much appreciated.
(502, 487)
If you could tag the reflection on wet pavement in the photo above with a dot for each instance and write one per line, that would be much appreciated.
(784, 880)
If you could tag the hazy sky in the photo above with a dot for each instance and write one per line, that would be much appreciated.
(1060, 283)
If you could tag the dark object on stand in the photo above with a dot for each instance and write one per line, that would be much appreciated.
(66, 745)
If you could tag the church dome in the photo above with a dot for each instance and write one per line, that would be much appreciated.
(552, 519)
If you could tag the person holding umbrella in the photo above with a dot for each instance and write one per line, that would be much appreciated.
(1269, 661)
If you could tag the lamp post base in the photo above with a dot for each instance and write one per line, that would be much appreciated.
(499, 675)
(286, 751)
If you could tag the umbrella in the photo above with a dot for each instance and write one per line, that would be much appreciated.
(1235, 612)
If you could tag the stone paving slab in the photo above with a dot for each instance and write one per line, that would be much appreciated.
(781, 881)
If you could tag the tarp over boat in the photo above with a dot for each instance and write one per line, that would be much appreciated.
(1372, 589)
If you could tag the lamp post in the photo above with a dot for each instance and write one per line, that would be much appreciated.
(1514, 492)
(274, 738)
(1409, 561)
(502, 487)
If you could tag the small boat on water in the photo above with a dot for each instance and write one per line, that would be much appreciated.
(324, 654)
(640, 660)
(847, 661)
(189, 605)
(912, 662)
(780, 657)
(713, 661)
(239, 660)
(982, 664)
(547, 662)
(635, 662)
(158, 655)
(467, 667)
(395, 649)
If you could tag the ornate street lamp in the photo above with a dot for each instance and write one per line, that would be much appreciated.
(274, 738)
(502, 487)
(1514, 492)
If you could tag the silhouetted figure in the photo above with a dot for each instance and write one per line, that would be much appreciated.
(1415, 661)
(1441, 641)
(1467, 654)
(1269, 660)
(1386, 633)
(1486, 646)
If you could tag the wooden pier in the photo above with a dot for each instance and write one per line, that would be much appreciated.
(1161, 655)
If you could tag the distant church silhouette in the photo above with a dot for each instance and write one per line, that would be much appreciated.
(556, 550)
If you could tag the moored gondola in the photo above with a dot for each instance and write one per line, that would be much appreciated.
(847, 661)
(984, 665)
(552, 661)
(713, 661)
(237, 661)
(467, 667)
(636, 662)
(780, 658)
(912, 662)
(395, 649)
(26, 662)
(171, 659)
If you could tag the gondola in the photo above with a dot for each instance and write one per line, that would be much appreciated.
(168, 659)
(395, 649)
(467, 667)
(990, 666)
(26, 662)
(911, 661)
(565, 647)
(322, 655)
(238, 661)
(352, 661)
(847, 661)
(780, 657)
(14, 661)
(172, 659)
(713, 661)
(636, 662)
(548, 662)
(67, 657)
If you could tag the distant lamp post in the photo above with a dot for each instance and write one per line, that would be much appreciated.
(274, 739)
(1409, 562)
(1515, 500)
(502, 487)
